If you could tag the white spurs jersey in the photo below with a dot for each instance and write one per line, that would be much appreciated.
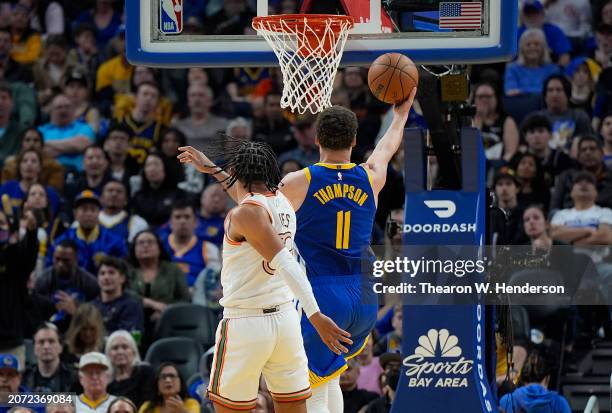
(248, 280)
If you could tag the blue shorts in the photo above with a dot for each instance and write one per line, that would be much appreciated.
(340, 298)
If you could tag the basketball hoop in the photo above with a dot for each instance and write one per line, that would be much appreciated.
(309, 49)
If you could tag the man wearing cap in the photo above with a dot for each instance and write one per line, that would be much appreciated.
(10, 379)
(506, 190)
(93, 240)
(94, 376)
(533, 17)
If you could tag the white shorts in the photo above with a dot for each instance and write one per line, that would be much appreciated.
(250, 343)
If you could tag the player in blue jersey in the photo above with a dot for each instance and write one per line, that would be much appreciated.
(335, 203)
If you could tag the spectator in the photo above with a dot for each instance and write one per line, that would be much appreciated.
(116, 146)
(603, 42)
(27, 43)
(93, 241)
(131, 378)
(113, 76)
(201, 125)
(234, 18)
(95, 174)
(145, 129)
(354, 397)
(49, 374)
(95, 374)
(19, 258)
(533, 396)
(606, 133)
(239, 128)
(76, 87)
(583, 73)
(188, 177)
(213, 205)
(122, 405)
(391, 364)
(154, 200)
(114, 215)
(30, 168)
(155, 279)
(307, 152)
(574, 18)
(537, 228)
(530, 175)
(52, 173)
(120, 310)
(170, 393)
(499, 131)
(288, 166)
(527, 74)
(590, 159)
(10, 374)
(85, 334)
(370, 368)
(537, 131)
(506, 190)
(66, 139)
(208, 289)
(125, 102)
(10, 129)
(104, 18)
(606, 13)
(65, 279)
(191, 254)
(86, 53)
(392, 341)
(534, 18)
(273, 128)
(49, 72)
(10, 70)
(566, 122)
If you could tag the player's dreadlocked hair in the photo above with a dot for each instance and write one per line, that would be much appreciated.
(248, 162)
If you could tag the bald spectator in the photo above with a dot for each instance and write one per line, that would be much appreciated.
(201, 125)
(65, 138)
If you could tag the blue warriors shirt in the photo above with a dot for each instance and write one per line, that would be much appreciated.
(335, 220)
(192, 258)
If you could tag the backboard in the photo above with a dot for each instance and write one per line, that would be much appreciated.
(183, 33)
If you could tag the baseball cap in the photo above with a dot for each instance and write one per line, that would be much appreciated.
(8, 361)
(387, 358)
(505, 173)
(94, 358)
(532, 5)
(76, 75)
(87, 196)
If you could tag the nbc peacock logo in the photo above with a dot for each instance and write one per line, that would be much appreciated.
(437, 357)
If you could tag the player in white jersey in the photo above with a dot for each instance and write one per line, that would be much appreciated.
(260, 331)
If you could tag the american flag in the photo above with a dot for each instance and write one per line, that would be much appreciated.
(461, 15)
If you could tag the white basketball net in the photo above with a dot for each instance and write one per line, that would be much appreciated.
(308, 66)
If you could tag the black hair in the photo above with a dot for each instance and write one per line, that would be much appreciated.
(182, 203)
(56, 40)
(158, 399)
(534, 122)
(118, 127)
(68, 243)
(125, 400)
(538, 182)
(6, 88)
(114, 262)
(180, 136)
(584, 176)
(336, 128)
(590, 138)
(148, 83)
(567, 85)
(85, 27)
(537, 367)
(163, 254)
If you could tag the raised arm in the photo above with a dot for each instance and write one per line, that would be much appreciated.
(251, 223)
(378, 162)
(189, 154)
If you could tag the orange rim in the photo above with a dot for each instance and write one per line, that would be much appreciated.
(317, 22)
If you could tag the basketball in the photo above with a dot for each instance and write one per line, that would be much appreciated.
(392, 76)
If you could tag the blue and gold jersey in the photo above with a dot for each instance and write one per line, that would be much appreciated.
(334, 223)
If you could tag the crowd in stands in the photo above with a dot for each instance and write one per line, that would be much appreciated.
(102, 229)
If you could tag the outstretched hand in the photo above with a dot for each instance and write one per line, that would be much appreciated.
(189, 154)
(403, 108)
(330, 333)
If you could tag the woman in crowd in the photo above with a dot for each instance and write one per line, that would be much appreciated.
(106, 20)
(533, 189)
(171, 393)
(85, 334)
(52, 171)
(122, 405)
(527, 74)
(583, 73)
(131, 378)
(154, 200)
(29, 169)
(187, 176)
(154, 278)
(499, 131)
